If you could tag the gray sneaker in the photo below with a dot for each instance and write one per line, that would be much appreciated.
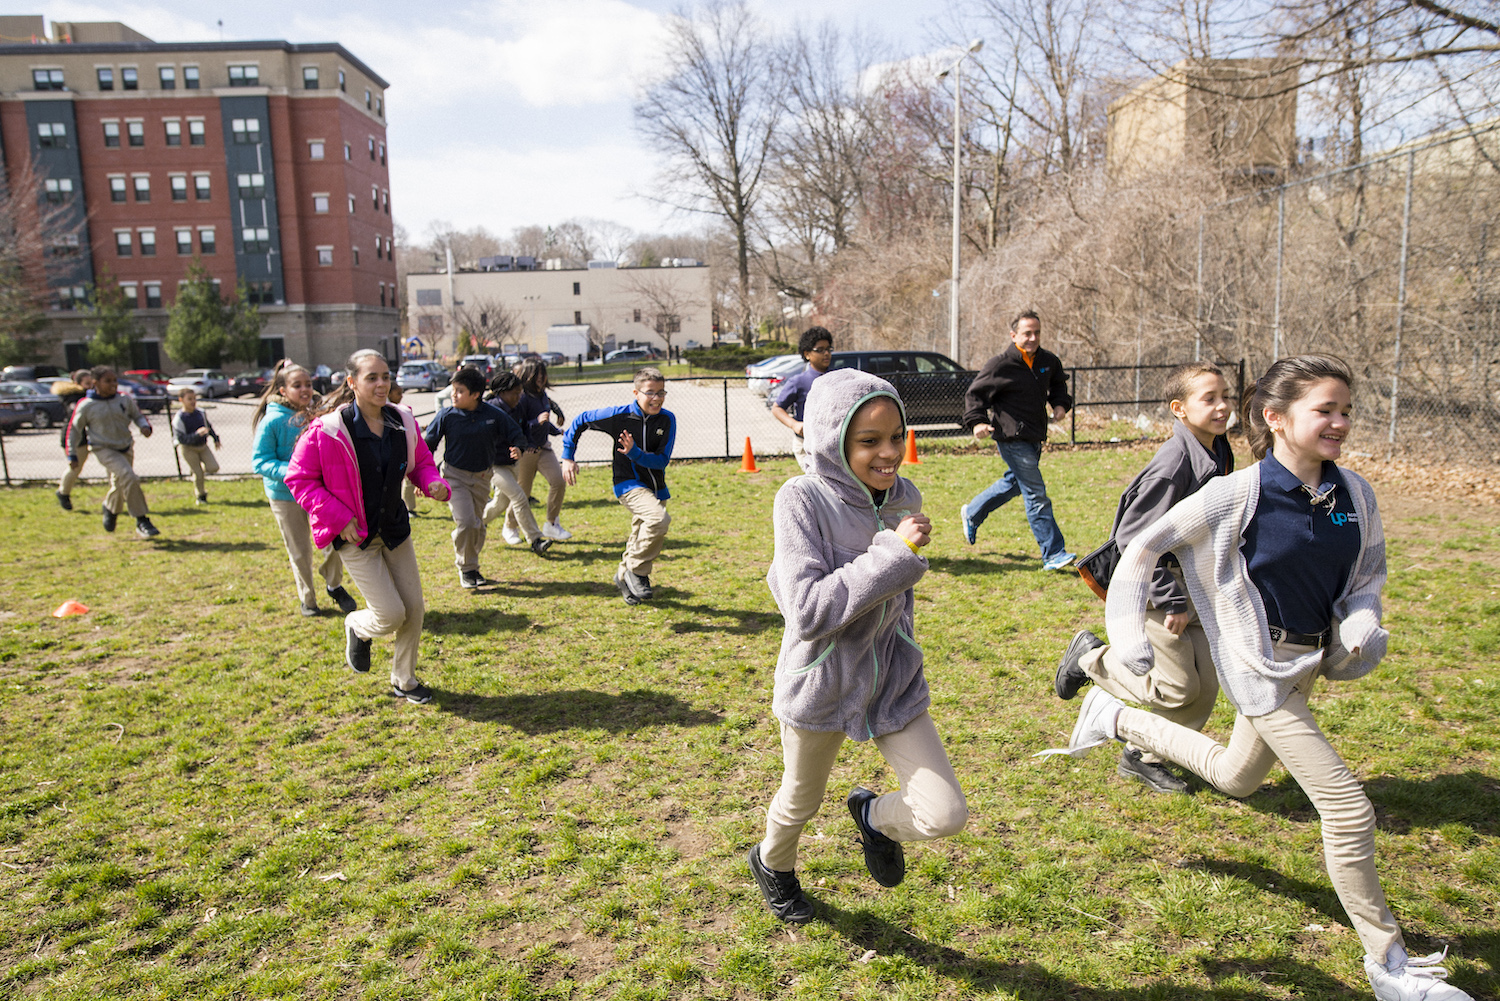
(1150, 773)
(1070, 675)
(419, 693)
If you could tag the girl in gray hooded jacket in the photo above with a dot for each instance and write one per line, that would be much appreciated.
(849, 537)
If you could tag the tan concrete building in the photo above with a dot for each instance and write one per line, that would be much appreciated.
(1236, 115)
(547, 309)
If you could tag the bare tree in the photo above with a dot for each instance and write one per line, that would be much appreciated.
(39, 247)
(713, 117)
(662, 302)
(490, 322)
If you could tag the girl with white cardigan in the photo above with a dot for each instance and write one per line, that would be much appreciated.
(1285, 561)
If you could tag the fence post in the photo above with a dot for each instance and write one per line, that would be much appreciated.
(4, 462)
(1280, 254)
(1198, 311)
(171, 438)
(1239, 390)
(1411, 163)
(727, 453)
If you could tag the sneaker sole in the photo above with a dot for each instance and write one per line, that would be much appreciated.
(420, 700)
(1126, 772)
(624, 590)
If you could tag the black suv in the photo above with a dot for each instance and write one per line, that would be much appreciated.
(931, 385)
(30, 373)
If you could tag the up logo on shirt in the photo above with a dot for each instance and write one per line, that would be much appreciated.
(1342, 518)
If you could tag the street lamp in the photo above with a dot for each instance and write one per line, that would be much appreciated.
(958, 89)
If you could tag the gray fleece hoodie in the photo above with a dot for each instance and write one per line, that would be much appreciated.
(843, 580)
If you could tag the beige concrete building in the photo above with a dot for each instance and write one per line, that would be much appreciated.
(1237, 115)
(551, 310)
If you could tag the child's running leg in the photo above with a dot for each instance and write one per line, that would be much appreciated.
(807, 758)
(929, 804)
(467, 499)
(72, 473)
(124, 484)
(649, 522)
(557, 487)
(392, 587)
(525, 474)
(510, 499)
(291, 519)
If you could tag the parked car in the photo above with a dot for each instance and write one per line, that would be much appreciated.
(208, 383)
(30, 373)
(38, 407)
(151, 399)
(155, 376)
(932, 386)
(428, 375)
(322, 379)
(623, 355)
(485, 364)
(252, 382)
(554, 358)
(758, 376)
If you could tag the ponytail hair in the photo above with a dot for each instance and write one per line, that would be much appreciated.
(1284, 383)
(344, 394)
(281, 375)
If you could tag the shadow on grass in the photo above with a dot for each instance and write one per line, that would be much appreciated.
(474, 623)
(982, 565)
(865, 931)
(1471, 798)
(171, 545)
(577, 709)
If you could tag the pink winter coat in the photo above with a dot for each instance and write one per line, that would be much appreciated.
(323, 475)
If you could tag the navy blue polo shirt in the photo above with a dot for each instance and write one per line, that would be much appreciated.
(1300, 554)
(793, 395)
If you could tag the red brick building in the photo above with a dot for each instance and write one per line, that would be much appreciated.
(265, 161)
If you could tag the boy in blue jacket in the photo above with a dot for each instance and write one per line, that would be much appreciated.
(644, 434)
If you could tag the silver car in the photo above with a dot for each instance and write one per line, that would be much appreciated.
(208, 383)
(424, 375)
(758, 376)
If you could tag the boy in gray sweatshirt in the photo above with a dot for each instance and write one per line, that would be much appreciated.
(849, 537)
(103, 420)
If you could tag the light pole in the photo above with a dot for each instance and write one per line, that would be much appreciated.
(958, 90)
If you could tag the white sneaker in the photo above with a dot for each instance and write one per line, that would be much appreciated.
(554, 530)
(1403, 978)
(511, 536)
(1095, 727)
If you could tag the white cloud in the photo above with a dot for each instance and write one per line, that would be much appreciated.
(152, 20)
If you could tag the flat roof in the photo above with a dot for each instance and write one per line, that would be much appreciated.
(539, 271)
(104, 48)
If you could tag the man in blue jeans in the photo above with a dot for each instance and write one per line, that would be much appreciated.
(1009, 399)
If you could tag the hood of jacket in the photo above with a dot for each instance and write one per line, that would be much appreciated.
(831, 403)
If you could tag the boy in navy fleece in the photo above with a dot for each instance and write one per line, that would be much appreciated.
(644, 434)
(475, 432)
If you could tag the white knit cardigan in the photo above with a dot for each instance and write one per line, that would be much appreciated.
(1205, 532)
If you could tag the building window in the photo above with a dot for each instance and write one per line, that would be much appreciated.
(325, 257)
(129, 290)
(382, 154)
(348, 152)
(128, 78)
(386, 197)
(190, 78)
(196, 136)
(173, 130)
(635, 316)
(184, 242)
(341, 80)
(577, 318)
(201, 190)
(179, 187)
(371, 142)
(355, 251)
(111, 133)
(260, 293)
(122, 243)
(70, 297)
(106, 78)
(251, 185)
(168, 76)
(137, 133)
(142, 187)
(153, 295)
(429, 297)
(256, 240)
(64, 245)
(48, 80)
(382, 294)
(367, 98)
(375, 197)
(309, 78)
(117, 189)
(246, 130)
(53, 134)
(578, 288)
(320, 204)
(244, 76)
(206, 244)
(380, 110)
(315, 150)
(148, 243)
(351, 204)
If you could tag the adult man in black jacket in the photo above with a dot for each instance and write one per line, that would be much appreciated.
(1009, 399)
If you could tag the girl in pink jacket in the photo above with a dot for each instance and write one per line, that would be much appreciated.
(346, 472)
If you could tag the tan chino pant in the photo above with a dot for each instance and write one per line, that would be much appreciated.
(467, 497)
(392, 587)
(526, 468)
(649, 522)
(296, 535)
(72, 473)
(124, 484)
(511, 500)
(200, 460)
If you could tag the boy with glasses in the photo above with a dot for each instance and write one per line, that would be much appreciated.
(643, 434)
(816, 347)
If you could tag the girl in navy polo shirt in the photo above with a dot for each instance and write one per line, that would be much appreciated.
(1285, 561)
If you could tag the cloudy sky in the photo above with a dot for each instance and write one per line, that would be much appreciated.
(501, 113)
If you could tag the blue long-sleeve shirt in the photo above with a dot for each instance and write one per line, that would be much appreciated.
(474, 437)
(528, 409)
(645, 465)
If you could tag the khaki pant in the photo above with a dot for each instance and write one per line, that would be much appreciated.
(928, 805)
(72, 473)
(526, 467)
(510, 500)
(409, 494)
(1182, 685)
(124, 484)
(201, 460)
(649, 521)
(1291, 735)
(296, 534)
(799, 452)
(392, 586)
(468, 493)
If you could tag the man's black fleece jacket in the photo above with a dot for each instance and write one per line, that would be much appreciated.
(1014, 396)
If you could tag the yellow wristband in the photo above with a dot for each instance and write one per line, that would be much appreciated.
(912, 545)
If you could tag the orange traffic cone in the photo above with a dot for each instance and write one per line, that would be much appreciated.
(911, 448)
(70, 607)
(747, 464)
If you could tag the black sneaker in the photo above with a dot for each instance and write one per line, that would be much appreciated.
(64, 501)
(643, 587)
(356, 651)
(540, 544)
(782, 890)
(419, 694)
(308, 611)
(145, 529)
(624, 588)
(203, 498)
(883, 857)
(110, 518)
(1152, 773)
(342, 598)
(1070, 677)
(471, 579)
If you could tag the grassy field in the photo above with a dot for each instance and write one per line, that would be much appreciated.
(197, 800)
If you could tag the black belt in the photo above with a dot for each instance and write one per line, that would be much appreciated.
(1280, 635)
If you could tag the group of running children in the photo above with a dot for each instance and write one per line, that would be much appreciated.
(1255, 582)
